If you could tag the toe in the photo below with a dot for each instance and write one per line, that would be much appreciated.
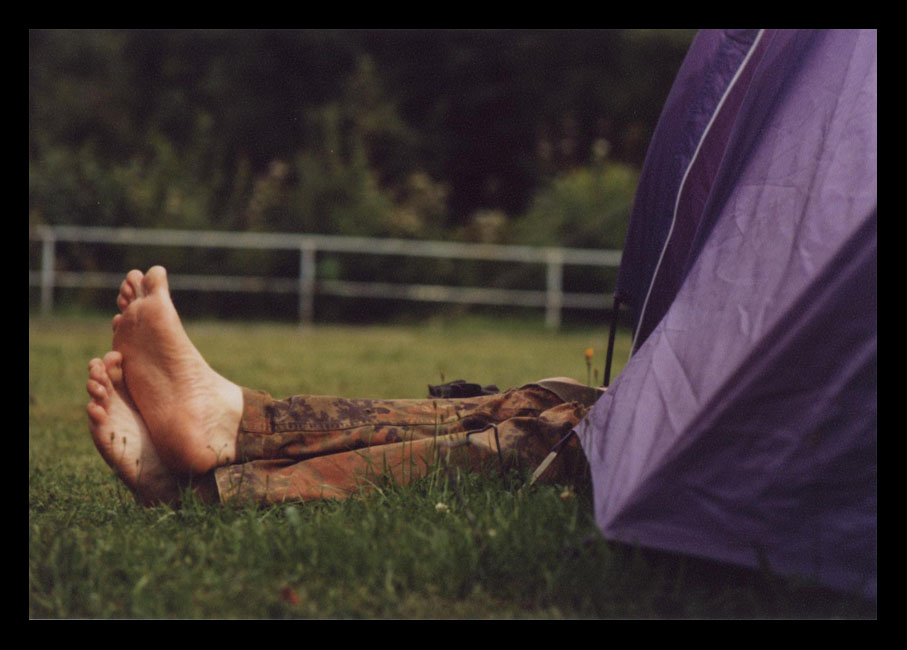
(113, 366)
(96, 370)
(96, 413)
(96, 390)
(127, 293)
(98, 373)
(134, 281)
(155, 280)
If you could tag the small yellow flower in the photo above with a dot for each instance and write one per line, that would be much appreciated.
(590, 352)
(441, 507)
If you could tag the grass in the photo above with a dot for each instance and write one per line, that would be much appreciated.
(466, 546)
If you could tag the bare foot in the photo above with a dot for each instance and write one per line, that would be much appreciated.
(192, 413)
(122, 437)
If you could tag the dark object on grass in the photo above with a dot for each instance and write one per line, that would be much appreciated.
(460, 388)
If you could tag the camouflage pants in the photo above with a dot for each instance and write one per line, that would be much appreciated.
(317, 447)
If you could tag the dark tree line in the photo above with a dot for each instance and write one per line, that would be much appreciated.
(492, 114)
(524, 136)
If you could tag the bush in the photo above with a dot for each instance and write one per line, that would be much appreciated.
(588, 207)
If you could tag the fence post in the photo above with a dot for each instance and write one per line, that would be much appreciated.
(307, 281)
(554, 299)
(48, 245)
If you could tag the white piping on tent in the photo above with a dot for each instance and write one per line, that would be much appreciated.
(683, 182)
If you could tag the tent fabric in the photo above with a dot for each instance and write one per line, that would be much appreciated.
(680, 166)
(744, 426)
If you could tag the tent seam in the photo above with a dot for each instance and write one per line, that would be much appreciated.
(683, 181)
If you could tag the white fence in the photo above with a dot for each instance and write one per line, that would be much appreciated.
(552, 298)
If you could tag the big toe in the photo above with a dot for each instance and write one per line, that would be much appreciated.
(155, 280)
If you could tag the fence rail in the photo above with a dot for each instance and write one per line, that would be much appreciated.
(552, 298)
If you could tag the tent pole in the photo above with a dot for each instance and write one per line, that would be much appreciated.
(607, 373)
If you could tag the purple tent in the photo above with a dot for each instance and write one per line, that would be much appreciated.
(743, 428)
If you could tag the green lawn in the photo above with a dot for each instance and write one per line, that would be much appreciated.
(491, 549)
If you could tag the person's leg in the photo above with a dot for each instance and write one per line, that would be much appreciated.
(198, 421)
(315, 447)
(192, 413)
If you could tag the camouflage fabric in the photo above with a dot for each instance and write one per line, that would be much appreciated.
(318, 447)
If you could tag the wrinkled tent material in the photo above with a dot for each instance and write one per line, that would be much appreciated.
(744, 426)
